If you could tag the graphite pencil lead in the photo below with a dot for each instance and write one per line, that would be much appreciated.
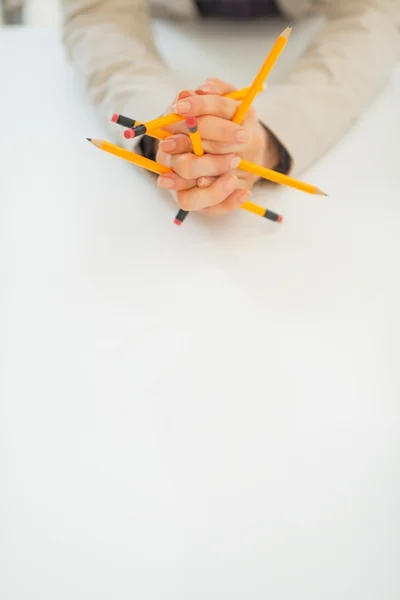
(97, 143)
(321, 193)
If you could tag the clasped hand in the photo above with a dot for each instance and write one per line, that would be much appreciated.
(212, 183)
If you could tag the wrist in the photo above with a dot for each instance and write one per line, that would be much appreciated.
(271, 151)
(275, 155)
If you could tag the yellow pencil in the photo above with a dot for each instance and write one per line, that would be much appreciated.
(132, 157)
(195, 138)
(155, 124)
(153, 128)
(262, 212)
(198, 150)
(240, 94)
(155, 167)
(279, 178)
(158, 134)
(262, 75)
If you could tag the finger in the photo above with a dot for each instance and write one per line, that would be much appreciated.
(219, 130)
(196, 105)
(180, 96)
(176, 144)
(244, 181)
(172, 181)
(190, 166)
(232, 203)
(181, 144)
(163, 158)
(250, 120)
(215, 86)
(184, 94)
(197, 198)
(204, 182)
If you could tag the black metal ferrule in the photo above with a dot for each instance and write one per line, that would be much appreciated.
(271, 215)
(126, 121)
(140, 130)
(181, 216)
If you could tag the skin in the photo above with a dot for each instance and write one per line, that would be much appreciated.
(212, 183)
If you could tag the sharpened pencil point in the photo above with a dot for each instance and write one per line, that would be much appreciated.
(89, 139)
(286, 33)
(321, 193)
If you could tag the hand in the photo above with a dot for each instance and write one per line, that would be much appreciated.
(212, 183)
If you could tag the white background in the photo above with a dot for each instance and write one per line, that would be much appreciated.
(211, 411)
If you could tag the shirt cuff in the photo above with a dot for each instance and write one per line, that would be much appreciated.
(284, 163)
(147, 147)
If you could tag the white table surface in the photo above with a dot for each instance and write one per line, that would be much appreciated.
(205, 412)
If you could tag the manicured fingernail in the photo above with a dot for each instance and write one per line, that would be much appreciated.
(166, 183)
(235, 162)
(168, 145)
(200, 92)
(184, 94)
(242, 136)
(230, 184)
(182, 107)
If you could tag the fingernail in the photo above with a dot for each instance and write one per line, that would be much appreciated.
(166, 183)
(235, 162)
(182, 107)
(184, 94)
(200, 92)
(230, 184)
(168, 145)
(242, 136)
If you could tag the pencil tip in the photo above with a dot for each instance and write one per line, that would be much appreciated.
(321, 193)
(89, 139)
(286, 33)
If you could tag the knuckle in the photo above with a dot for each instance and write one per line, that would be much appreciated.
(183, 166)
(217, 166)
(226, 108)
(162, 158)
(226, 131)
(213, 147)
(215, 197)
